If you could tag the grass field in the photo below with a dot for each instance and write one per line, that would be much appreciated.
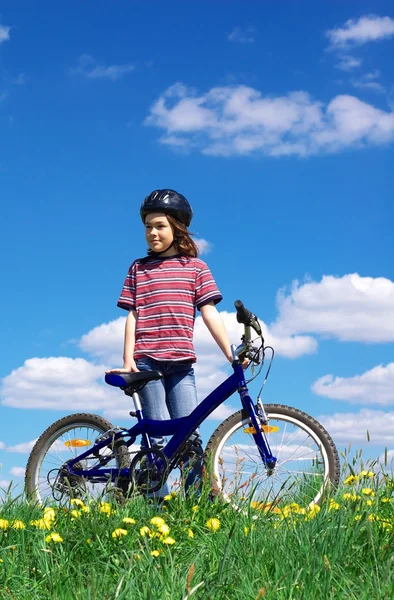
(203, 549)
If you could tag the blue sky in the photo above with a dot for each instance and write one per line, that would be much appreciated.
(275, 120)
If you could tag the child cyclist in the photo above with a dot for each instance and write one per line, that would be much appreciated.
(161, 294)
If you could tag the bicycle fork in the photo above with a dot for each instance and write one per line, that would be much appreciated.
(257, 430)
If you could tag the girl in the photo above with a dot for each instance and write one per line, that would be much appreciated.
(161, 293)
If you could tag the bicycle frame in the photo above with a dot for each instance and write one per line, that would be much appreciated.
(180, 429)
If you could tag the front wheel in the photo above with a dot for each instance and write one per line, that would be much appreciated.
(307, 460)
(46, 472)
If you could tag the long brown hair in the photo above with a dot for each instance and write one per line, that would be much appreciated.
(182, 239)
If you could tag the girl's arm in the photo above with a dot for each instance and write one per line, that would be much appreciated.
(129, 343)
(215, 325)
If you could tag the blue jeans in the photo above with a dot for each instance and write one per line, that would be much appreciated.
(172, 397)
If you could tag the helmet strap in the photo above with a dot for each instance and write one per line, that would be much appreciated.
(170, 246)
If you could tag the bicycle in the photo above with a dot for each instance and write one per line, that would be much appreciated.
(261, 455)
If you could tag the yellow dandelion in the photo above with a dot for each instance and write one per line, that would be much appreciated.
(195, 508)
(351, 479)
(41, 523)
(118, 533)
(369, 502)
(105, 508)
(88, 541)
(155, 553)
(313, 511)
(372, 518)
(369, 474)
(76, 502)
(386, 500)
(358, 518)
(54, 537)
(4, 524)
(246, 530)
(386, 525)
(213, 524)
(334, 505)
(190, 533)
(75, 513)
(49, 514)
(18, 525)
(352, 497)
(158, 521)
(168, 540)
(164, 529)
(145, 531)
(368, 492)
(129, 521)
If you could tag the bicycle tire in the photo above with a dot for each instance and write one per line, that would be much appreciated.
(84, 422)
(301, 440)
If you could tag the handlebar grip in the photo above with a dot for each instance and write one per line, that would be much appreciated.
(244, 315)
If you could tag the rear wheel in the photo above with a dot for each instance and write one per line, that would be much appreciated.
(307, 460)
(46, 473)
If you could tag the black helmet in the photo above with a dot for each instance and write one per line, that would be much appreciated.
(169, 202)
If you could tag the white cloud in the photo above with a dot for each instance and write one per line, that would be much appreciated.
(375, 386)
(239, 120)
(368, 82)
(57, 383)
(4, 484)
(242, 36)
(22, 448)
(4, 33)
(203, 245)
(2, 445)
(349, 308)
(348, 63)
(355, 427)
(90, 68)
(18, 471)
(357, 32)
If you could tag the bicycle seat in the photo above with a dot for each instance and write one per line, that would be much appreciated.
(132, 380)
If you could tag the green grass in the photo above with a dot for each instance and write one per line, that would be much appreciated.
(344, 550)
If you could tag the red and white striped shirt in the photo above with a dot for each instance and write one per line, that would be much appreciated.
(165, 293)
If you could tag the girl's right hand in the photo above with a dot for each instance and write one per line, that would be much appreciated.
(132, 368)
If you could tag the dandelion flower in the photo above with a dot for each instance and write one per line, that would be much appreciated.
(76, 502)
(76, 513)
(352, 497)
(129, 521)
(54, 537)
(145, 531)
(190, 533)
(41, 523)
(195, 508)
(246, 530)
(372, 518)
(4, 524)
(334, 505)
(169, 541)
(49, 514)
(164, 529)
(158, 521)
(213, 524)
(155, 553)
(118, 533)
(351, 479)
(105, 508)
(368, 492)
(358, 518)
(369, 474)
(18, 525)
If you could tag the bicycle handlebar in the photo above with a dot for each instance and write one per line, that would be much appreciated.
(246, 317)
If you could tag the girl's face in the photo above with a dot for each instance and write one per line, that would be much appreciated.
(159, 233)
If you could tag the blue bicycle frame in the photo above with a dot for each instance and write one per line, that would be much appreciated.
(180, 429)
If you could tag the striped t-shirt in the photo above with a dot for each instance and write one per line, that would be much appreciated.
(165, 293)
